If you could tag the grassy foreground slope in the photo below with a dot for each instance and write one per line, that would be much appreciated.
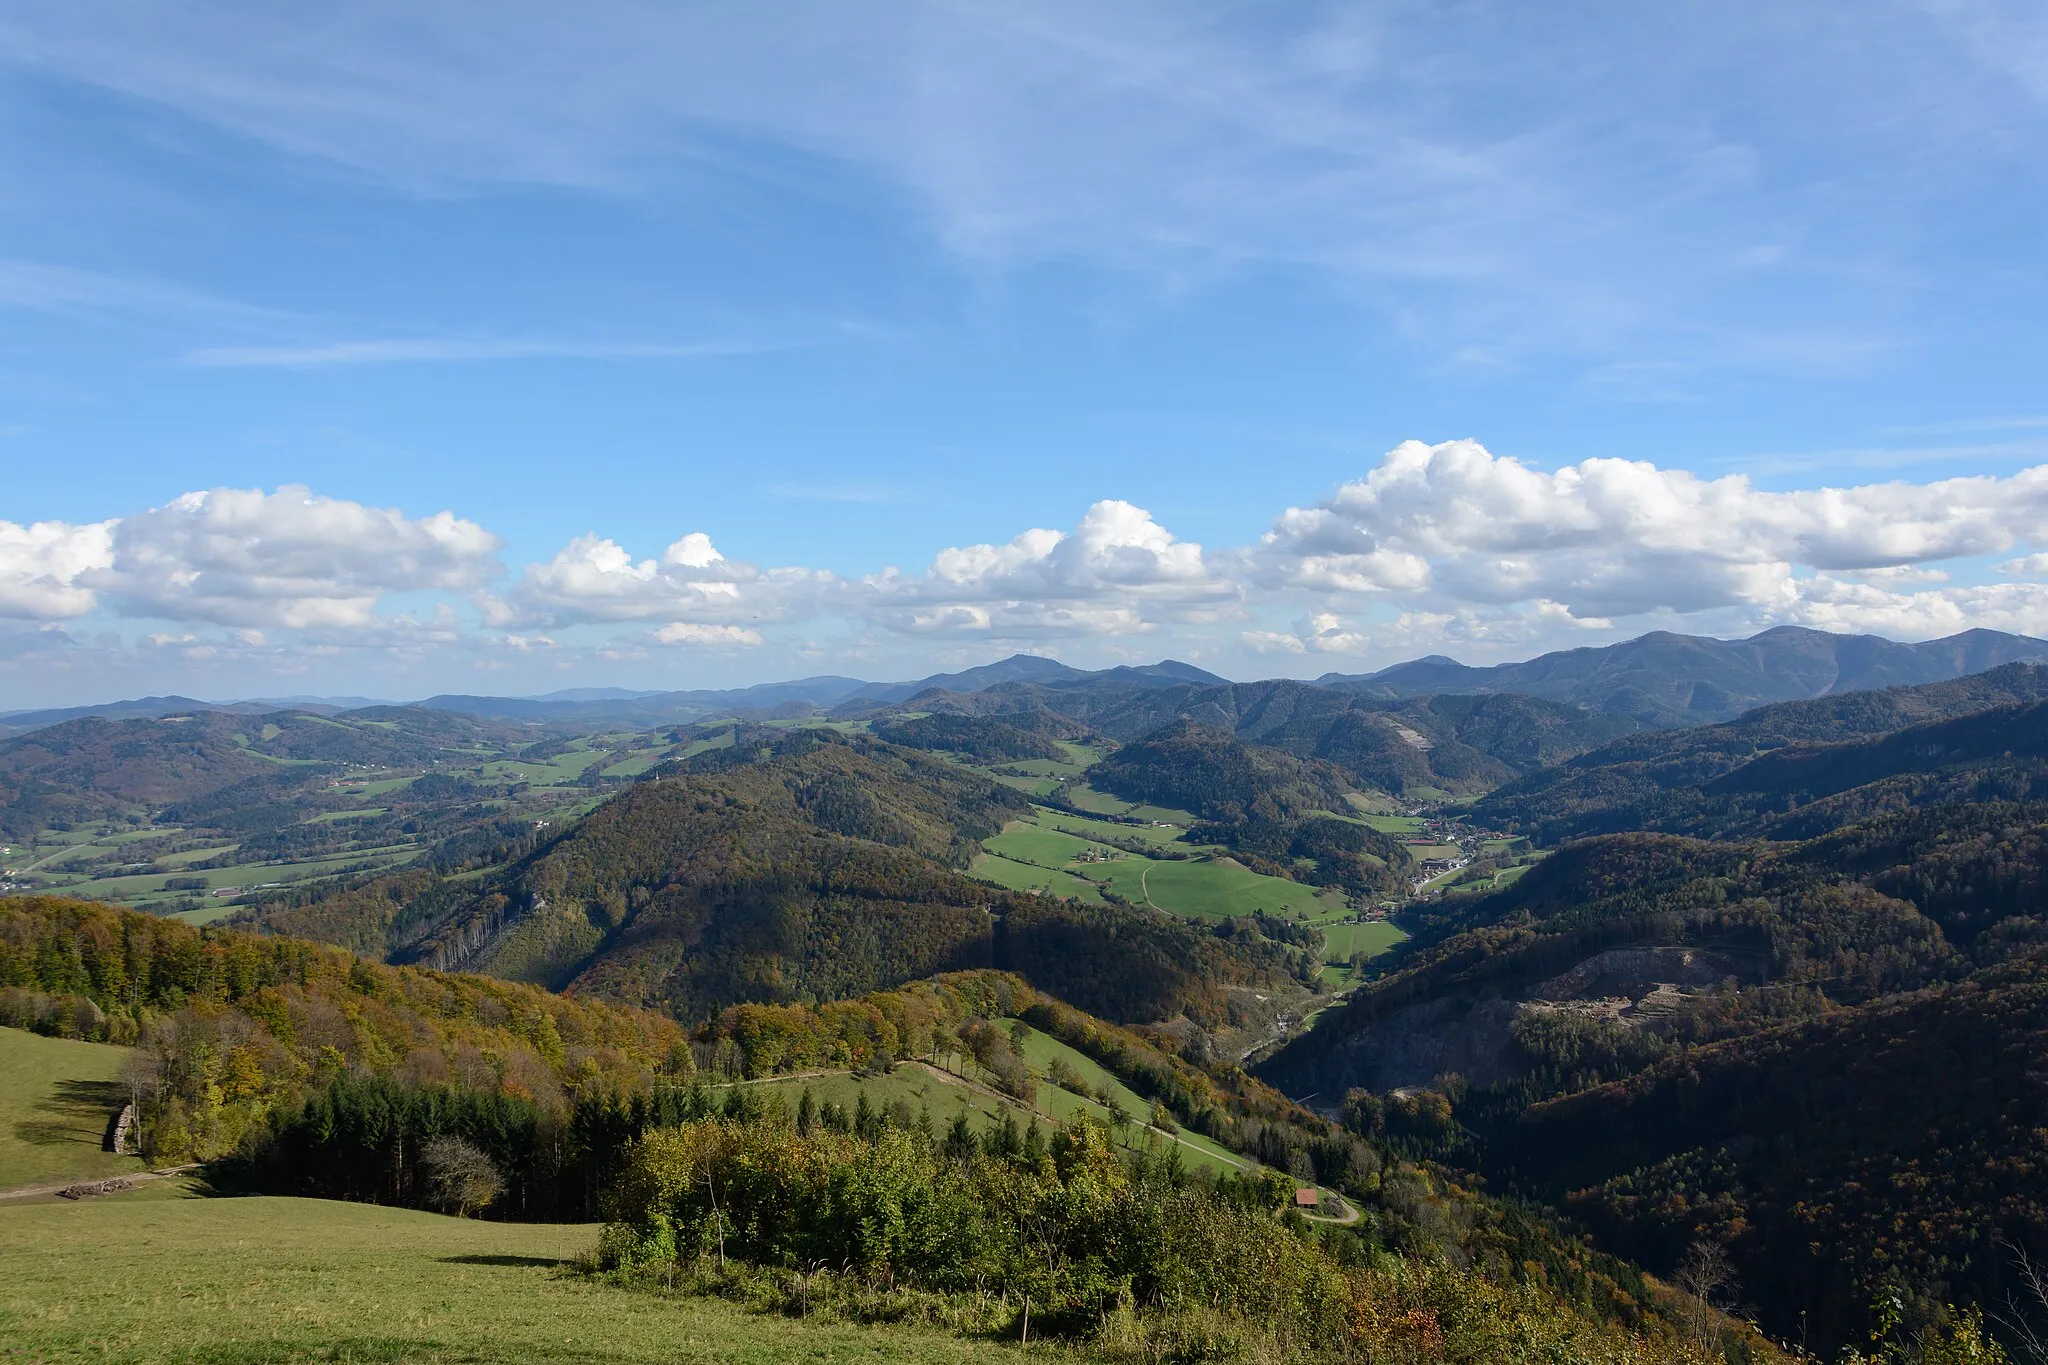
(56, 1095)
(258, 1280)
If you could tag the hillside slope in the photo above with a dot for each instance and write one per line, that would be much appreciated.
(805, 867)
(1751, 776)
(1458, 744)
(1823, 1056)
(1662, 679)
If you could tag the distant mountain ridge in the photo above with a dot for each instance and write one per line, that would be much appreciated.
(1663, 680)
(1660, 680)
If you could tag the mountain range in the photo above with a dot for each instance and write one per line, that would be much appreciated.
(1659, 680)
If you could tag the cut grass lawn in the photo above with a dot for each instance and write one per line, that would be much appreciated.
(56, 1097)
(160, 1275)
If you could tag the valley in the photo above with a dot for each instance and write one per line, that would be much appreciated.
(1239, 954)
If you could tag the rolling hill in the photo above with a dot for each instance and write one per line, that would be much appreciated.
(1787, 770)
(802, 866)
(1786, 1049)
(1662, 679)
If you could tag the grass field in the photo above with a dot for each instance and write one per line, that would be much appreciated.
(56, 1096)
(943, 1095)
(1371, 938)
(1026, 841)
(1102, 829)
(1394, 824)
(1016, 876)
(161, 1275)
(1210, 888)
(1086, 798)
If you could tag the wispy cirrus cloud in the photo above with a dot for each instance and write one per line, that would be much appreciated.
(457, 350)
(1185, 143)
(43, 287)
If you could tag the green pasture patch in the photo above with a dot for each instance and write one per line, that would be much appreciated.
(1081, 755)
(1041, 1050)
(1395, 824)
(245, 874)
(1084, 797)
(1024, 841)
(942, 1093)
(335, 817)
(723, 740)
(154, 1277)
(1102, 830)
(57, 1096)
(1341, 942)
(1038, 787)
(1165, 815)
(1015, 876)
(1210, 888)
(1044, 767)
(197, 855)
(382, 786)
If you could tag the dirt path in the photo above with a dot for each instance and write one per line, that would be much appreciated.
(1349, 1216)
(44, 1191)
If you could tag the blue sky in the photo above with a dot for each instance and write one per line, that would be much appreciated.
(509, 347)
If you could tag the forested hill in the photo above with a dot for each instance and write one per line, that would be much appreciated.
(985, 739)
(1797, 768)
(1190, 766)
(811, 867)
(215, 768)
(1450, 743)
(1786, 1027)
(1662, 679)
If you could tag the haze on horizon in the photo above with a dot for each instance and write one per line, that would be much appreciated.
(444, 348)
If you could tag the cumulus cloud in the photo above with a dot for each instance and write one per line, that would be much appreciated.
(1117, 572)
(41, 566)
(243, 557)
(694, 633)
(1617, 538)
(595, 579)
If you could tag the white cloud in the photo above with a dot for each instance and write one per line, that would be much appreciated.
(596, 579)
(447, 350)
(1617, 538)
(1829, 603)
(694, 633)
(243, 557)
(1118, 572)
(41, 565)
(1273, 642)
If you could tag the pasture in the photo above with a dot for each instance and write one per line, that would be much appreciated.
(162, 1274)
(56, 1097)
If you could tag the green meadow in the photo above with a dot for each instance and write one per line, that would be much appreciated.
(56, 1098)
(165, 1275)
